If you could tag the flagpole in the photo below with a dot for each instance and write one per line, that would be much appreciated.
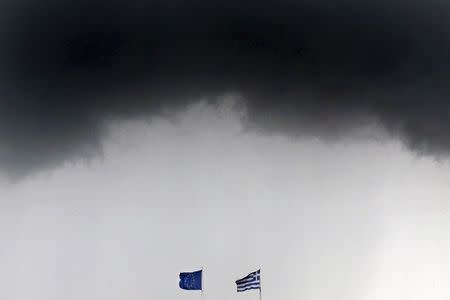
(202, 296)
(260, 282)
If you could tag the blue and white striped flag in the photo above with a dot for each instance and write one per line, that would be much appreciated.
(249, 282)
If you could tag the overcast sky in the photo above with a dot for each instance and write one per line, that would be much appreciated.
(348, 220)
(143, 138)
(312, 68)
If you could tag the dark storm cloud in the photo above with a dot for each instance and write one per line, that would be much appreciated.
(303, 67)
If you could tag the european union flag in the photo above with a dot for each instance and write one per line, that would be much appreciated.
(191, 281)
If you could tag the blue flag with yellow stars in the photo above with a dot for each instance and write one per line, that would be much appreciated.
(191, 281)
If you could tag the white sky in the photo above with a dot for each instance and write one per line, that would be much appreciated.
(355, 220)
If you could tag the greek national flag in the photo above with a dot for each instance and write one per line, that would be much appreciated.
(251, 281)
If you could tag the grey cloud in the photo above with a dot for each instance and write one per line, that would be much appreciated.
(302, 67)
